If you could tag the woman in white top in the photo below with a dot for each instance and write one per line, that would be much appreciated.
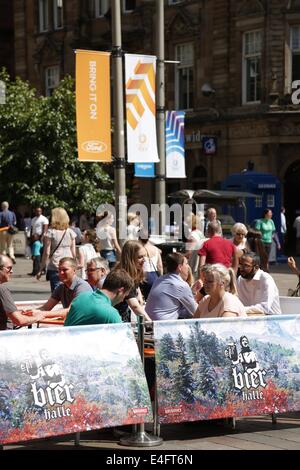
(153, 267)
(109, 245)
(194, 243)
(59, 242)
(86, 251)
(221, 299)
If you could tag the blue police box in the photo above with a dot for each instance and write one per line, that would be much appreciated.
(267, 188)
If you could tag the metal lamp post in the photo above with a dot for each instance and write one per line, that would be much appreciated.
(160, 183)
(119, 144)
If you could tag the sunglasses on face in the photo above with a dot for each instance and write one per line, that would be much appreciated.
(8, 268)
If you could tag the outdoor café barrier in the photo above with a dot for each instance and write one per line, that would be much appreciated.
(227, 367)
(140, 438)
(66, 380)
(289, 305)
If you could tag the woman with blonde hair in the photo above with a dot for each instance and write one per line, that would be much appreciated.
(132, 260)
(59, 242)
(220, 299)
(239, 232)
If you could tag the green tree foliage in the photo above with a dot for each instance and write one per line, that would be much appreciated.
(184, 374)
(207, 378)
(38, 151)
(167, 350)
(201, 342)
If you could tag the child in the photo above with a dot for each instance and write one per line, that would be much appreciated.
(36, 254)
(133, 226)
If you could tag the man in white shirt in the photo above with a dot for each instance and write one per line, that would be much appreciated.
(39, 224)
(256, 288)
(296, 225)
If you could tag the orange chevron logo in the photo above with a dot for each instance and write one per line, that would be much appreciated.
(140, 93)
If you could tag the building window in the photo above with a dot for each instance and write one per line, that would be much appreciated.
(101, 8)
(270, 200)
(258, 201)
(58, 14)
(295, 49)
(43, 16)
(184, 78)
(252, 67)
(128, 5)
(51, 79)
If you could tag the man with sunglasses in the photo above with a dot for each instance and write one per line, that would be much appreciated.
(96, 271)
(8, 309)
(256, 288)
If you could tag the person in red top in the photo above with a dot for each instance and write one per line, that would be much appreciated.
(218, 249)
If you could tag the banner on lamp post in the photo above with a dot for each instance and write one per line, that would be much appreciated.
(140, 108)
(175, 160)
(93, 120)
(144, 170)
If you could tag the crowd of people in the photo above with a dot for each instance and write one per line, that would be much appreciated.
(96, 279)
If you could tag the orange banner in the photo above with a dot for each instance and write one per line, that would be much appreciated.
(93, 106)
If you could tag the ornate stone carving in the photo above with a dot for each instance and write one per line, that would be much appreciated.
(49, 49)
(249, 8)
(182, 24)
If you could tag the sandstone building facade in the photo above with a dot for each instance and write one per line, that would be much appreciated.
(238, 61)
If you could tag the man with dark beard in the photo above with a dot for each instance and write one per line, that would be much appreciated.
(256, 288)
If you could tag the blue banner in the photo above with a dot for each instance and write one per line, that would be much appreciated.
(219, 368)
(175, 161)
(144, 170)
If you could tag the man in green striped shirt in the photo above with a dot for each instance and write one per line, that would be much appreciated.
(93, 308)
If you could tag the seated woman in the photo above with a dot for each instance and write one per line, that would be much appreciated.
(132, 260)
(220, 287)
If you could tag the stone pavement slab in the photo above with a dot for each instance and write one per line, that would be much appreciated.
(251, 433)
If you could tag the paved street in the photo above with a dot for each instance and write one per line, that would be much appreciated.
(254, 433)
(26, 287)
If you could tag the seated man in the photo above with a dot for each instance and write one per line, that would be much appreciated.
(8, 309)
(256, 288)
(171, 297)
(92, 308)
(96, 270)
(69, 287)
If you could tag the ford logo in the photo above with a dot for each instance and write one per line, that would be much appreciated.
(94, 146)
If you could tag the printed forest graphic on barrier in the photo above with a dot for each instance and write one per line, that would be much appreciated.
(65, 380)
(209, 369)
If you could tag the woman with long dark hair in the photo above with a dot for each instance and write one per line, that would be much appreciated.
(132, 260)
